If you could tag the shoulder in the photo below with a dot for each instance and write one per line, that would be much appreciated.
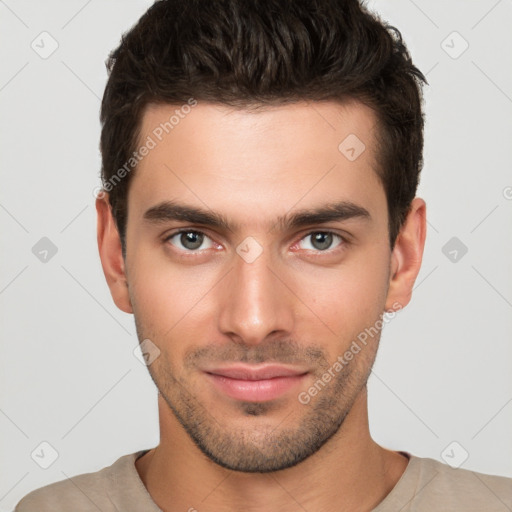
(471, 483)
(431, 485)
(81, 493)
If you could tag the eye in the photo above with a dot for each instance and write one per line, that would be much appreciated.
(189, 240)
(321, 240)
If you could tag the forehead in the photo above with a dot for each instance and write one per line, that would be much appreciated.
(260, 161)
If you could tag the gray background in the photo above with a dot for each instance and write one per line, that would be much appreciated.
(69, 376)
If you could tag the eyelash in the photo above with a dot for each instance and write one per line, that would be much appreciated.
(343, 241)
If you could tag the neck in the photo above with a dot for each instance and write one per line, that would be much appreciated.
(350, 471)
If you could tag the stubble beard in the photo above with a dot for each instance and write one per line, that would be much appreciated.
(267, 446)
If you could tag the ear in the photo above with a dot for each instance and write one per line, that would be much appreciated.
(112, 261)
(407, 255)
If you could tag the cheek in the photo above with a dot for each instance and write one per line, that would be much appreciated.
(167, 296)
(348, 298)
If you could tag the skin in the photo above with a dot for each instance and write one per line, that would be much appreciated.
(296, 304)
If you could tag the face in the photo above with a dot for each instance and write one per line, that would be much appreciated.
(255, 242)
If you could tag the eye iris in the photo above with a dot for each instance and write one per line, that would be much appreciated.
(191, 239)
(322, 240)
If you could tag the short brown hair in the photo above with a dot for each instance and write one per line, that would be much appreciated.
(247, 52)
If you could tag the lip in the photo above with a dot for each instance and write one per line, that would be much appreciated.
(255, 383)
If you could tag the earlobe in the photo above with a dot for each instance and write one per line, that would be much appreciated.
(112, 261)
(407, 256)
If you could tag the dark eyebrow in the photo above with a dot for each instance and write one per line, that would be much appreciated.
(171, 210)
(338, 211)
(342, 210)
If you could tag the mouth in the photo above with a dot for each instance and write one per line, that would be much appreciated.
(255, 383)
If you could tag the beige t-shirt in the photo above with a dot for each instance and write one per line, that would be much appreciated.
(425, 486)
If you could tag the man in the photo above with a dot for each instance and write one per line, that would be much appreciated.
(258, 217)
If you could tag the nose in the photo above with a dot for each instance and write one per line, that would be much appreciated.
(255, 303)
